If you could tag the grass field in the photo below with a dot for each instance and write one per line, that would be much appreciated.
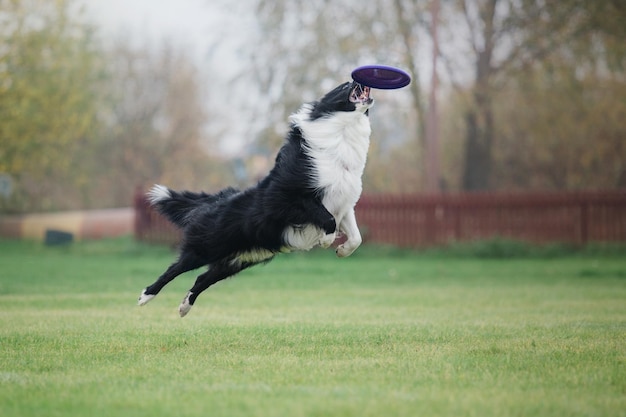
(383, 333)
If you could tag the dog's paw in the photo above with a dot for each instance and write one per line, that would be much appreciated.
(145, 298)
(185, 305)
(342, 251)
(347, 248)
(327, 240)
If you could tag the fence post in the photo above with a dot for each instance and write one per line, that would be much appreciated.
(584, 222)
(457, 220)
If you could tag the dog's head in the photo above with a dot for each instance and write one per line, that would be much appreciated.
(347, 97)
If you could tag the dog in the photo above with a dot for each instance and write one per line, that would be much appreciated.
(306, 200)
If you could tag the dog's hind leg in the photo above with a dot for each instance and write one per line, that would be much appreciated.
(216, 272)
(185, 262)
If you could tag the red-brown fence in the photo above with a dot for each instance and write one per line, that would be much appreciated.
(419, 221)
(430, 220)
(151, 226)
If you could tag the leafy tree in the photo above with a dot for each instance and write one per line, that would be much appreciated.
(561, 119)
(507, 38)
(48, 105)
(81, 126)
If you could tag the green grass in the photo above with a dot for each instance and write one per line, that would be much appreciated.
(383, 333)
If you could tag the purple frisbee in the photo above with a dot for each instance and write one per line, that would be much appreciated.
(381, 76)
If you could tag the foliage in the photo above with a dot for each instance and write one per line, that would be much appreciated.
(500, 57)
(533, 97)
(579, 145)
(83, 124)
(49, 69)
(155, 125)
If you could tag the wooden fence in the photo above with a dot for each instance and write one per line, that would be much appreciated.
(431, 220)
(419, 221)
(151, 226)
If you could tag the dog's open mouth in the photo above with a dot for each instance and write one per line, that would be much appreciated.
(360, 94)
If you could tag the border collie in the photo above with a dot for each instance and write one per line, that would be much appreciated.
(305, 201)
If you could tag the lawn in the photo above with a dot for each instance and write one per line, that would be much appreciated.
(383, 333)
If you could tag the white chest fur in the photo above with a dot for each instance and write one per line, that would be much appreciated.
(338, 147)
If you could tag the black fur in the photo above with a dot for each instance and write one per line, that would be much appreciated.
(333, 101)
(219, 228)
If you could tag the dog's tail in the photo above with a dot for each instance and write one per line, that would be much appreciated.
(177, 206)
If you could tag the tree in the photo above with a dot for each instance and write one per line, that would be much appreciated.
(555, 107)
(505, 36)
(303, 49)
(559, 131)
(48, 105)
(81, 125)
(513, 66)
(155, 125)
(561, 117)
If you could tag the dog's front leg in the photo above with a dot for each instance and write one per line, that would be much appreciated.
(310, 226)
(327, 226)
(328, 229)
(349, 227)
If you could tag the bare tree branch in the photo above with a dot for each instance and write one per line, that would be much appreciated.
(415, 87)
(470, 26)
(542, 40)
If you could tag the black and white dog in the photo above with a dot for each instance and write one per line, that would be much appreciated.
(305, 200)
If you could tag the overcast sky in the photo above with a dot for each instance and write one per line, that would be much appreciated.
(185, 20)
(195, 25)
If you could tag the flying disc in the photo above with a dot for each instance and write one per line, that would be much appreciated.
(381, 76)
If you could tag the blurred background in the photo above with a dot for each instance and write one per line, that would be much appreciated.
(99, 97)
